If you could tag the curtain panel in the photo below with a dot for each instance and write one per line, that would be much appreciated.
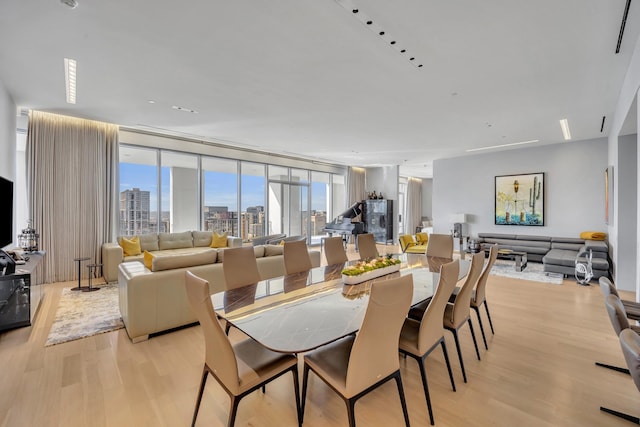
(414, 205)
(356, 185)
(72, 167)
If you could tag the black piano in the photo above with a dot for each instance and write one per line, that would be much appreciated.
(343, 224)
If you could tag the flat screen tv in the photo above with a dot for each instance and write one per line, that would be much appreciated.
(6, 212)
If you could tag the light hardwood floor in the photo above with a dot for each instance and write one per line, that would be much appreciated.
(539, 371)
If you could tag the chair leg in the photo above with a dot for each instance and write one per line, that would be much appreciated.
(227, 327)
(351, 407)
(622, 415)
(296, 387)
(486, 308)
(614, 368)
(423, 374)
(446, 359)
(477, 310)
(403, 401)
(455, 338)
(233, 410)
(305, 377)
(473, 335)
(203, 381)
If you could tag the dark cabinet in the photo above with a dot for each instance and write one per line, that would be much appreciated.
(19, 296)
(378, 218)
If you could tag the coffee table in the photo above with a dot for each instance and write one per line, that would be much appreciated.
(520, 258)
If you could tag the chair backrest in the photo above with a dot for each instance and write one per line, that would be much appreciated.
(374, 354)
(405, 241)
(219, 354)
(431, 324)
(296, 257)
(479, 296)
(630, 343)
(240, 267)
(367, 246)
(617, 313)
(334, 250)
(607, 287)
(462, 304)
(440, 245)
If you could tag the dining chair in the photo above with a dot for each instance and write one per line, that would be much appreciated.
(367, 246)
(617, 315)
(419, 338)
(632, 308)
(334, 250)
(357, 364)
(458, 313)
(296, 257)
(630, 344)
(239, 368)
(440, 245)
(240, 269)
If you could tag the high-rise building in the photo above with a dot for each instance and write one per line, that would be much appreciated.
(134, 212)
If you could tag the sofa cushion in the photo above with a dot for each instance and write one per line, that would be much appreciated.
(201, 238)
(567, 246)
(272, 250)
(596, 246)
(258, 251)
(149, 242)
(422, 238)
(496, 236)
(533, 238)
(175, 240)
(560, 257)
(170, 262)
(530, 249)
(130, 246)
(218, 240)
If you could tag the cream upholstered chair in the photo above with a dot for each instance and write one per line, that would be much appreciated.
(630, 344)
(458, 313)
(296, 257)
(334, 250)
(355, 365)
(617, 315)
(419, 338)
(239, 368)
(632, 308)
(440, 246)
(240, 269)
(367, 246)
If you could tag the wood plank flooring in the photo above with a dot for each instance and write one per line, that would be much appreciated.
(539, 371)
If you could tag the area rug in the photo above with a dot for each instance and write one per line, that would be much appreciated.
(533, 272)
(83, 314)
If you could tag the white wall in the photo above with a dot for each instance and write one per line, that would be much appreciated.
(385, 179)
(8, 143)
(574, 188)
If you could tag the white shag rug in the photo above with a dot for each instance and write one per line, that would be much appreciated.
(533, 271)
(83, 314)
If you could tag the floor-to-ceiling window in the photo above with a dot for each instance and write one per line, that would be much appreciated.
(179, 193)
(252, 200)
(138, 190)
(320, 202)
(220, 195)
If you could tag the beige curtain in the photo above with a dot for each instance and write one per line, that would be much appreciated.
(414, 205)
(72, 169)
(356, 185)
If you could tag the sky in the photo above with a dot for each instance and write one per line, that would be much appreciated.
(220, 189)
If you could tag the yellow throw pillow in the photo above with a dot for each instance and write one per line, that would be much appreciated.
(281, 243)
(218, 240)
(148, 259)
(130, 247)
(593, 235)
(422, 238)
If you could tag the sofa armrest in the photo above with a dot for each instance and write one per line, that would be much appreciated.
(112, 256)
(234, 242)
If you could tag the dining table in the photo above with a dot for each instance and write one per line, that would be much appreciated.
(299, 312)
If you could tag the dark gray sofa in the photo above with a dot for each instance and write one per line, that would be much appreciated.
(558, 254)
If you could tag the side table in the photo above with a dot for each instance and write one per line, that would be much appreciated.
(80, 260)
(92, 269)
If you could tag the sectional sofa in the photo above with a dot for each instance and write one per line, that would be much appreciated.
(152, 297)
(558, 254)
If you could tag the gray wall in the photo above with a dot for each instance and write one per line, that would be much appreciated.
(385, 179)
(8, 142)
(574, 188)
(627, 203)
(427, 196)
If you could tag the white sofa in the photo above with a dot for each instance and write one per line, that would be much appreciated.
(154, 300)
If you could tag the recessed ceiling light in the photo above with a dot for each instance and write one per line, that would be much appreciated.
(70, 79)
(151, 101)
(566, 133)
(503, 145)
(187, 110)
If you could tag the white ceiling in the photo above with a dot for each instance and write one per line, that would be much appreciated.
(309, 78)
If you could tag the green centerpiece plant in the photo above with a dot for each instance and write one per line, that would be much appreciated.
(369, 265)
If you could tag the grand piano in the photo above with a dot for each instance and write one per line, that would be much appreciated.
(344, 225)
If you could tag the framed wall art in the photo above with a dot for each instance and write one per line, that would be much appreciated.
(519, 199)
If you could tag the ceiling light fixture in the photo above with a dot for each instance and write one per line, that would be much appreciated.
(566, 133)
(186, 110)
(71, 3)
(503, 145)
(70, 79)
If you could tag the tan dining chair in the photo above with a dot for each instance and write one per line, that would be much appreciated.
(619, 321)
(367, 246)
(440, 246)
(296, 257)
(459, 313)
(334, 250)
(357, 364)
(239, 368)
(419, 338)
(632, 308)
(240, 269)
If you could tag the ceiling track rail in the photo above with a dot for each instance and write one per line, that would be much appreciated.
(622, 25)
